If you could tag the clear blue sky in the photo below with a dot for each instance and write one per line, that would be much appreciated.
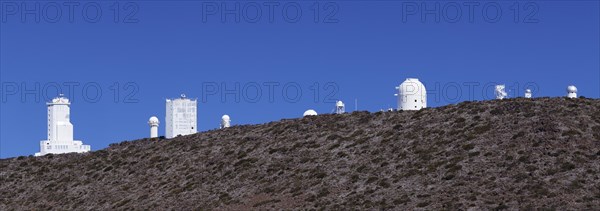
(365, 49)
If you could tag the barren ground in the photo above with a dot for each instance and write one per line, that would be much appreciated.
(509, 154)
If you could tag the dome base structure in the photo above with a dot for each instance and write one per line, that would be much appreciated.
(50, 147)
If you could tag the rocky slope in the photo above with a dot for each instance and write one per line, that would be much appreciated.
(516, 153)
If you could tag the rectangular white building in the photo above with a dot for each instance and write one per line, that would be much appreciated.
(181, 117)
(60, 130)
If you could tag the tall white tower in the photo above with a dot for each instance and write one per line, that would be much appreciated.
(60, 130)
(340, 108)
(571, 91)
(528, 93)
(225, 121)
(500, 92)
(181, 116)
(153, 122)
(412, 95)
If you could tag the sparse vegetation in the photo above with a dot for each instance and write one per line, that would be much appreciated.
(492, 155)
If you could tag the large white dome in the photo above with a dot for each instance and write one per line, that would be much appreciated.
(412, 95)
(412, 86)
(225, 117)
(571, 89)
(310, 112)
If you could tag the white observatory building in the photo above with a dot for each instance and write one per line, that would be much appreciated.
(340, 107)
(181, 116)
(500, 92)
(60, 130)
(153, 122)
(225, 121)
(309, 112)
(528, 93)
(571, 91)
(412, 95)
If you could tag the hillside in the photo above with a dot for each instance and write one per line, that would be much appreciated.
(515, 153)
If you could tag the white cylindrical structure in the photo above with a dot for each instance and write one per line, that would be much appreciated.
(153, 122)
(225, 121)
(528, 93)
(412, 95)
(310, 112)
(340, 107)
(571, 91)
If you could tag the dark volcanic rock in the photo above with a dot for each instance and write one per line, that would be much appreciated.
(515, 153)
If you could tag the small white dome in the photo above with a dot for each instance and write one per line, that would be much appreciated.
(528, 91)
(571, 89)
(225, 117)
(310, 112)
(339, 103)
(153, 120)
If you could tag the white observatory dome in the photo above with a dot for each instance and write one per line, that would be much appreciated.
(310, 112)
(412, 95)
(225, 121)
(528, 93)
(500, 91)
(340, 108)
(571, 91)
(153, 120)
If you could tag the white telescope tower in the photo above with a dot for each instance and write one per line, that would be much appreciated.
(225, 121)
(412, 95)
(571, 91)
(60, 130)
(153, 122)
(500, 92)
(340, 107)
(528, 93)
(181, 117)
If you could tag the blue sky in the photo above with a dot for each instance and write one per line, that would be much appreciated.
(354, 50)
